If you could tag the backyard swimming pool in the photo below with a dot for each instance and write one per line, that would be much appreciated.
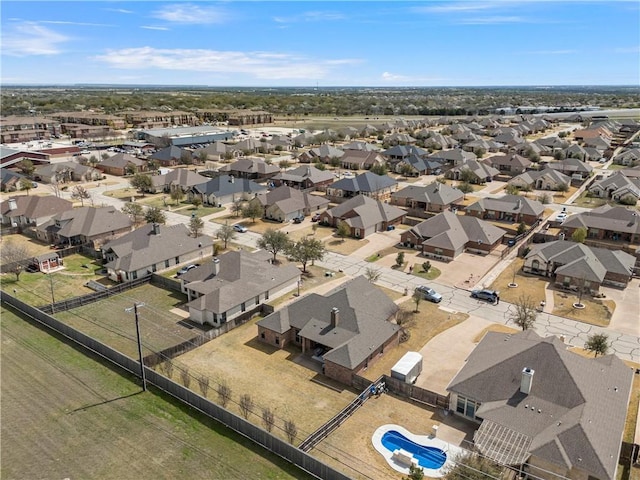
(427, 457)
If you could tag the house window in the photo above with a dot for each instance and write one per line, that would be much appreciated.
(223, 317)
(153, 267)
(257, 299)
(134, 275)
(467, 407)
(277, 340)
(266, 295)
(357, 233)
(177, 260)
(535, 265)
(298, 339)
(262, 335)
(166, 264)
(242, 307)
(438, 251)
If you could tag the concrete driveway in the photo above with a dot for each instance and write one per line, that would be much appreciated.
(445, 354)
(626, 316)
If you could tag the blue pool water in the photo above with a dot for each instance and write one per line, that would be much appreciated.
(427, 457)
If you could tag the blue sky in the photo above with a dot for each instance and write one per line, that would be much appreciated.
(304, 43)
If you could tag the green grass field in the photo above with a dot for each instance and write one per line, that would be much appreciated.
(66, 415)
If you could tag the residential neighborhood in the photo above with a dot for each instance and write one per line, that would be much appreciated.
(296, 268)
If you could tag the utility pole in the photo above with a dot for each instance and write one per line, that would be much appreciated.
(53, 299)
(142, 374)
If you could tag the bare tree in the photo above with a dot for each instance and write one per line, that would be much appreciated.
(525, 312)
(167, 368)
(226, 234)
(177, 195)
(236, 208)
(246, 405)
(372, 274)
(224, 393)
(14, 255)
(80, 193)
(203, 383)
(135, 212)
(268, 419)
(196, 225)
(417, 298)
(185, 376)
(290, 430)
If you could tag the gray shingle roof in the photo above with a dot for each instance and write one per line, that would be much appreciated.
(89, 221)
(34, 207)
(365, 182)
(615, 219)
(289, 199)
(364, 212)
(576, 409)
(121, 160)
(142, 247)
(223, 185)
(362, 327)
(304, 172)
(509, 203)
(436, 193)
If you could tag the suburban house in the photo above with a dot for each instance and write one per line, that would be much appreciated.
(225, 189)
(447, 235)
(286, 203)
(171, 156)
(452, 157)
(12, 156)
(122, 164)
(577, 266)
(250, 167)
(364, 215)
(543, 408)
(434, 198)
(361, 159)
(304, 177)
(415, 166)
(512, 163)
(10, 180)
(366, 146)
(28, 210)
(324, 153)
(345, 331)
(616, 187)
(177, 178)
(607, 223)
(79, 226)
(216, 151)
(370, 184)
(400, 152)
(235, 284)
(480, 172)
(152, 248)
(547, 179)
(64, 172)
(572, 167)
(510, 208)
(629, 157)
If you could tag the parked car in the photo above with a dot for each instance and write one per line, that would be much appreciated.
(488, 295)
(429, 293)
(186, 268)
(298, 219)
(240, 228)
(315, 218)
(561, 217)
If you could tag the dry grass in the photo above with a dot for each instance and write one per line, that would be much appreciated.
(275, 378)
(496, 327)
(533, 286)
(422, 326)
(597, 312)
(344, 246)
(632, 411)
(128, 193)
(468, 200)
(32, 246)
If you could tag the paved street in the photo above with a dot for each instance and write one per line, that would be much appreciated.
(455, 299)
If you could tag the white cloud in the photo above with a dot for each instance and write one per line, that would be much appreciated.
(118, 10)
(31, 39)
(263, 65)
(153, 27)
(313, 16)
(456, 7)
(188, 13)
(80, 24)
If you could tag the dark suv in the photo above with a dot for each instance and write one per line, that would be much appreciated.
(298, 219)
(488, 295)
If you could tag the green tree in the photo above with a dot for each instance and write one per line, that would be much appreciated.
(628, 199)
(307, 250)
(415, 473)
(465, 188)
(334, 162)
(343, 230)
(196, 225)
(522, 227)
(379, 169)
(141, 182)
(153, 165)
(559, 155)
(525, 312)
(186, 158)
(226, 233)
(579, 235)
(135, 212)
(512, 190)
(544, 199)
(26, 184)
(400, 259)
(564, 188)
(598, 343)
(26, 167)
(284, 164)
(155, 215)
(253, 210)
(467, 176)
(406, 170)
(274, 241)
(196, 201)
(177, 194)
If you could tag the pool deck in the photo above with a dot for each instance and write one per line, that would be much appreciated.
(425, 440)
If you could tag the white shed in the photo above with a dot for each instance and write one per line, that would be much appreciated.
(408, 367)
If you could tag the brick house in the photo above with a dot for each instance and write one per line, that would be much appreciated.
(344, 331)
(434, 198)
(510, 208)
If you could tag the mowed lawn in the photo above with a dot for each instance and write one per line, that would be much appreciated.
(66, 415)
(109, 321)
(272, 377)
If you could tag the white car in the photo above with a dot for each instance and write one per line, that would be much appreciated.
(561, 217)
(240, 228)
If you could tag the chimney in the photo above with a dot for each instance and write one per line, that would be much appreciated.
(216, 266)
(527, 380)
(12, 204)
(335, 317)
(155, 229)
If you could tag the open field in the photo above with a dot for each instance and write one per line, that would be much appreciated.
(588, 202)
(36, 288)
(283, 380)
(533, 286)
(66, 415)
(108, 321)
